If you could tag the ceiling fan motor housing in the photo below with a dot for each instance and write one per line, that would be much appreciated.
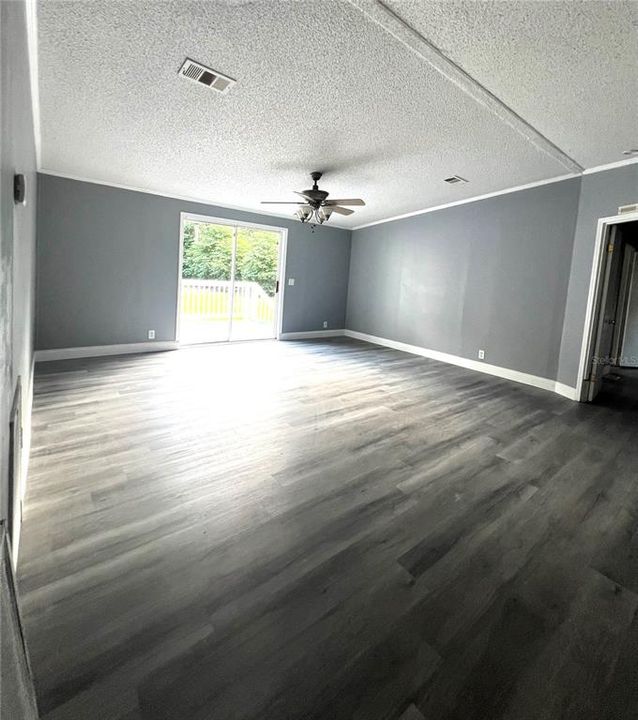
(314, 195)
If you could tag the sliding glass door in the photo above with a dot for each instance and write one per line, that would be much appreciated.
(229, 282)
(255, 287)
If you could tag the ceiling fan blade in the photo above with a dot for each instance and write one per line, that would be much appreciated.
(341, 211)
(281, 202)
(349, 201)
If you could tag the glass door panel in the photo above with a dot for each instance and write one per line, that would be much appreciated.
(207, 284)
(255, 289)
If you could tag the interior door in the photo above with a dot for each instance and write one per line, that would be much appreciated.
(601, 357)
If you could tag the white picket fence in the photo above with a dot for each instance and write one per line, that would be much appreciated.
(211, 300)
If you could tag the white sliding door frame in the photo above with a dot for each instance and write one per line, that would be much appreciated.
(235, 224)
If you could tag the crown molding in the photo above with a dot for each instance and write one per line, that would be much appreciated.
(610, 166)
(185, 198)
(475, 198)
(505, 191)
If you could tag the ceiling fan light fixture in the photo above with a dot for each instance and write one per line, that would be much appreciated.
(324, 213)
(304, 212)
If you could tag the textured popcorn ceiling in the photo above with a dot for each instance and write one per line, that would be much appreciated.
(570, 68)
(322, 86)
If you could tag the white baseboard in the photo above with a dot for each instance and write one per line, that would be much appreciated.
(543, 383)
(312, 334)
(99, 350)
(567, 391)
(505, 373)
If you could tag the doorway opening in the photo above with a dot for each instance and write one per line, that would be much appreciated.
(610, 344)
(229, 281)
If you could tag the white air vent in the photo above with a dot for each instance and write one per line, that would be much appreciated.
(624, 209)
(455, 179)
(205, 76)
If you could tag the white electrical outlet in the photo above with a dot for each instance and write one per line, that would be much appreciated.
(325, 323)
(291, 281)
(151, 334)
(481, 354)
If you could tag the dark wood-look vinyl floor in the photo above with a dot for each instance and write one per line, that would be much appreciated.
(327, 531)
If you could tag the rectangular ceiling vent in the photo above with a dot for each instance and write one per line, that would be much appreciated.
(205, 76)
(455, 179)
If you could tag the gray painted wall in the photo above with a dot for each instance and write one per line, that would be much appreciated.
(491, 274)
(601, 195)
(17, 230)
(108, 259)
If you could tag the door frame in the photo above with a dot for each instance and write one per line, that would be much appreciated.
(594, 296)
(281, 264)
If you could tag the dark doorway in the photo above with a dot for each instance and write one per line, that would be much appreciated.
(615, 328)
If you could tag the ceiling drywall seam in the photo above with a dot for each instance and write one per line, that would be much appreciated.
(393, 24)
(31, 9)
